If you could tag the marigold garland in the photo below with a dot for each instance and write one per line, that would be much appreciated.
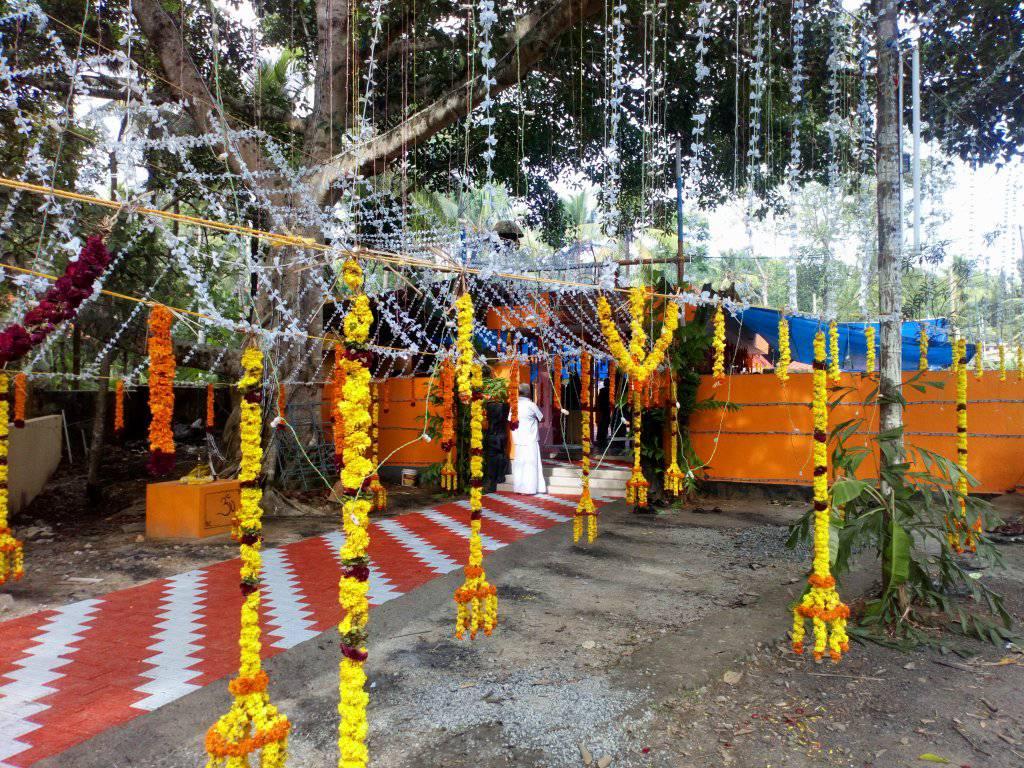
(636, 361)
(252, 723)
(119, 409)
(637, 485)
(20, 396)
(210, 417)
(476, 600)
(449, 475)
(1002, 361)
(513, 395)
(785, 351)
(869, 340)
(338, 421)
(379, 492)
(674, 477)
(1020, 362)
(979, 360)
(12, 556)
(959, 533)
(282, 406)
(161, 392)
(354, 413)
(613, 374)
(556, 384)
(718, 344)
(585, 509)
(821, 603)
(833, 352)
(922, 347)
(464, 346)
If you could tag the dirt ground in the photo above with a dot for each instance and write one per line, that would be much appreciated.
(663, 645)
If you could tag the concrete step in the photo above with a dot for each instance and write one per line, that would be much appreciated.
(575, 490)
(611, 473)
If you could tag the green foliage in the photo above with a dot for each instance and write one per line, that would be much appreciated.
(901, 515)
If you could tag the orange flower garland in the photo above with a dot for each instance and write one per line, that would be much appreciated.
(210, 418)
(674, 476)
(585, 509)
(556, 384)
(12, 558)
(282, 406)
(513, 394)
(380, 493)
(613, 374)
(252, 723)
(118, 409)
(637, 485)
(161, 391)
(339, 417)
(449, 476)
(20, 396)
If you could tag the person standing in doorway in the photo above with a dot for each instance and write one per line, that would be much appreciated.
(527, 469)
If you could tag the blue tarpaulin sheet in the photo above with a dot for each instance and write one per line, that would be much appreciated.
(852, 343)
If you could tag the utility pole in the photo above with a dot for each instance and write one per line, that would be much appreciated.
(888, 164)
(680, 258)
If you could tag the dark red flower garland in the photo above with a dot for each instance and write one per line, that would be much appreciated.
(59, 303)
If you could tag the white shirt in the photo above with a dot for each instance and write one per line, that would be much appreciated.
(530, 417)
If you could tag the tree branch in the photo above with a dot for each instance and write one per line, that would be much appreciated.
(535, 34)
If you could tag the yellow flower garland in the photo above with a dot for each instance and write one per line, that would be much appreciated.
(449, 475)
(833, 352)
(961, 535)
(354, 413)
(979, 360)
(1002, 361)
(639, 365)
(718, 344)
(1020, 362)
(476, 600)
(585, 509)
(821, 603)
(380, 493)
(785, 351)
(252, 724)
(869, 340)
(922, 347)
(12, 554)
(674, 476)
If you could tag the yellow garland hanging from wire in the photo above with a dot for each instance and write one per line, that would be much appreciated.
(1002, 361)
(869, 341)
(449, 475)
(639, 365)
(833, 352)
(979, 360)
(252, 724)
(12, 555)
(379, 492)
(585, 509)
(476, 600)
(718, 344)
(922, 347)
(785, 351)
(821, 603)
(674, 477)
(353, 589)
(1020, 362)
(961, 534)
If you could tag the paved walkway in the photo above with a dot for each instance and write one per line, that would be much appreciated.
(70, 673)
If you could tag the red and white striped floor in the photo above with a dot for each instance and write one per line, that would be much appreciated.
(62, 683)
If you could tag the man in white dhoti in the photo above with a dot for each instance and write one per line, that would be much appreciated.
(527, 470)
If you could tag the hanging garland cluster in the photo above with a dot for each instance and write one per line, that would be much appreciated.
(585, 509)
(833, 352)
(354, 413)
(869, 340)
(210, 416)
(377, 490)
(785, 350)
(252, 724)
(674, 477)
(161, 392)
(449, 475)
(922, 347)
(718, 344)
(12, 556)
(639, 365)
(476, 600)
(119, 410)
(821, 603)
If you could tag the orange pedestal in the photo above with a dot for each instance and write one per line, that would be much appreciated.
(190, 511)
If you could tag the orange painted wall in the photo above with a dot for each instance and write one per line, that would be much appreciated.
(769, 439)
